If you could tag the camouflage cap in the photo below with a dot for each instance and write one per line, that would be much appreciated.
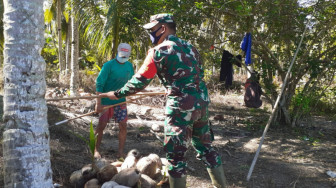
(159, 18)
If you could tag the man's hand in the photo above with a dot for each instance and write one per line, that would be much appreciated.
(109, 95)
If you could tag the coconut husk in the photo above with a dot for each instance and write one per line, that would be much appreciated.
(146, 182)
(127, 177)
(157, 159)
(93, 183)
(76, 179)
(106, 173)
(88, 172)
(146, 166)
(117, 163)
(101, 163)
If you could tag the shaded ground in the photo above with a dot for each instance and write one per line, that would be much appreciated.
(296, 157)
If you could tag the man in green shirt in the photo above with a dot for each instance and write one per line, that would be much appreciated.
(113, 75)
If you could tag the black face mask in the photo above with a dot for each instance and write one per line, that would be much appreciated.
(155, 39)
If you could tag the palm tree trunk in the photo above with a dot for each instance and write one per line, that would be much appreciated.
(68, 50)
(26, 137)
(59, 32)
(116, 29)
(74, 56)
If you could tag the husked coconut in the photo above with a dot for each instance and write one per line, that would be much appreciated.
(106, 173)
(93, 183)
(129, 162)
(157, 159)
(109, 184)
(128, 177)
(147, 182)
(88, 172)
(146, 166)
(135, 153)
(131, 159)
(76, 179)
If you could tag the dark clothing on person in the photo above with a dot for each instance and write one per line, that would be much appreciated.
(252, 92)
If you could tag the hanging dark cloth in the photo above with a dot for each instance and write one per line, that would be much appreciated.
(252, 92)
(226, 72)
(246, 45)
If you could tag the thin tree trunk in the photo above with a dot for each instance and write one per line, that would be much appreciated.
(68, 50)
(74, 56)
(116, 28)
(59, 32)
(26, 137)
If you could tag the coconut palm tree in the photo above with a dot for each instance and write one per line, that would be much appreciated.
(74, 53)
(26, 137)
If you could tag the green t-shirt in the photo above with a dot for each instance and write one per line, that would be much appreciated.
(112, 77)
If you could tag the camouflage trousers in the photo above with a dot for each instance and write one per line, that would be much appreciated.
(180, 129)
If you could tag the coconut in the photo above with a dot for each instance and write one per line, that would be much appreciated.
(93, 183)
(128, 177)
(76, 179)
(135, 153)
(106, 173)
(147, 182)
(109, 184)
(129, 162)
(157, 159)
(88, 172)
(146, 166)
(120, 186)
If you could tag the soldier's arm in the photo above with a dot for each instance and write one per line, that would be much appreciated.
(141, 79)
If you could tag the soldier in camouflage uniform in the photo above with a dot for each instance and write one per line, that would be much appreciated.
(179, 68)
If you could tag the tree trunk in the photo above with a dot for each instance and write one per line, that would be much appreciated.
(59, 32)
(116, 29)
(26, 137)
(74, 56)
(68, 50)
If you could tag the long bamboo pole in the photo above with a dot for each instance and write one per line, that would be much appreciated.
(106, 107)
(275, 108)
(97, 96)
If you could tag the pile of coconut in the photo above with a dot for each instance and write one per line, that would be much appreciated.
(134, 171)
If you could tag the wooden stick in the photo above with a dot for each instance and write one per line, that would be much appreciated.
(73, 98)
(274, 109)
(106, 107)
(97, 96)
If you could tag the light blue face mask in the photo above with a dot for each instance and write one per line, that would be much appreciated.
(122, 59)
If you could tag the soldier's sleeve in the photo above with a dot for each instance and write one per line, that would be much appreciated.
(141, 79)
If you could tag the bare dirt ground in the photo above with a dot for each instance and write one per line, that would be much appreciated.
(290, 157)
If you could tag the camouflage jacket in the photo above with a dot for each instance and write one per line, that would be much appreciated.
(179, 68)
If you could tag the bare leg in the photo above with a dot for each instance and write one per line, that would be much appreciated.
(99, 133)
(122, 137)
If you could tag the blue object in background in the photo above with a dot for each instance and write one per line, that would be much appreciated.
(246, 47)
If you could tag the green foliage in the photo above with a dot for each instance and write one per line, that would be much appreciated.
(303, 102)
(92, 141)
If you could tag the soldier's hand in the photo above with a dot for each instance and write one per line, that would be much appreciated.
(109, 95)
